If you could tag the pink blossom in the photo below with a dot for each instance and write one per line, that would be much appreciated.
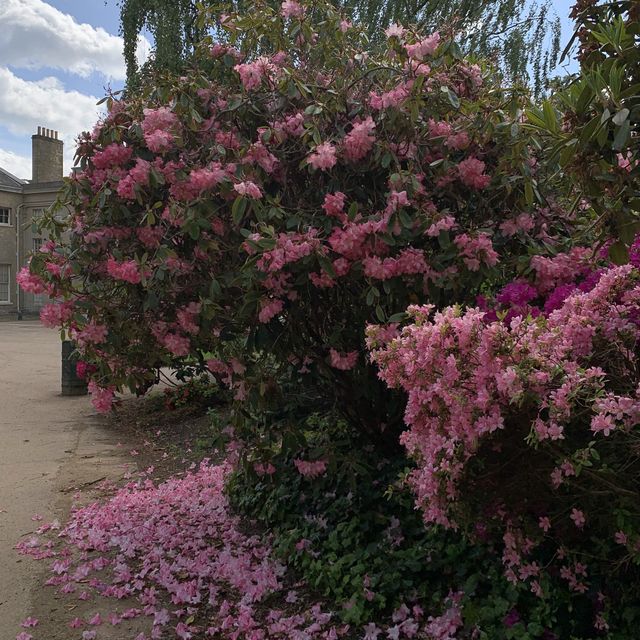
(394, 31)
(424, 47)
(544, 523)
(29, 622)
(113, 155)
(393, 98)
(334, 204)
(249, 189)
(269, 309)
(476, 251)
(96, 620)
(23, 635)
(101, 398)
(291, 9)
(343, 361)
(360, 140)
(56, 314)
(578, 518)
(30, 282)
(150, 236)
(128, 270)
(158, 127)
(471, 172)
(443, 224)
(252, 73)
(178, 345)
(137, 177)
(92, 333)
(311, 469)
(621, 537)
(324, 157)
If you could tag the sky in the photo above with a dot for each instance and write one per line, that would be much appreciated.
(57, 58)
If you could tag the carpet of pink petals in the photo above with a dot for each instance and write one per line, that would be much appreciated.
(176, 549)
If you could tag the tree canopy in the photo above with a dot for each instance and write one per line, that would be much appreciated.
(523, 37)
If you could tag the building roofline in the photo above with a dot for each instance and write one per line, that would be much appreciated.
(39, 187)
(19, 182)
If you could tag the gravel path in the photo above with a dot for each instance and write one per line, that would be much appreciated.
(49, 446)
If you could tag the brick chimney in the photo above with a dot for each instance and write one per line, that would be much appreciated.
(46, 156)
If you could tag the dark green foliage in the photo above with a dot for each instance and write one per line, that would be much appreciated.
(364, 534)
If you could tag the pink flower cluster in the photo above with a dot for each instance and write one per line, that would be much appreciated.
(471, 173)
(252, 73)
(324, 157)
(158, 128)
(56, 314)
(292, 9)
(423, 48)
(464, 377)
(30, 282)
(311, 469)
(113, 155)
(476, 251)
(101, 398)
(290, 247)
(343, 361)
(360, 140)
(128, 270)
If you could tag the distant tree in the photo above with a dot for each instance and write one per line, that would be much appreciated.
(522, 36)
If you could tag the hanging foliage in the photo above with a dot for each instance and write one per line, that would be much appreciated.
(522, 37)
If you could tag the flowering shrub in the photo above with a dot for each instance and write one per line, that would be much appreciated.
(278, 198)
(529, 426)
(589, 128)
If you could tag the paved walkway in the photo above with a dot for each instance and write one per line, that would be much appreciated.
(48, 445)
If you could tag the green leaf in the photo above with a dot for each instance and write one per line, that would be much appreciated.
(238, 209)
(550, 118)
(528, 192)
(622, 135)
(620, 117)
(214, 288)
(370, 297)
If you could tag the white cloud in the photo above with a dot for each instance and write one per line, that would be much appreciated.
(19, 166)
(25, 105)
(36, 35)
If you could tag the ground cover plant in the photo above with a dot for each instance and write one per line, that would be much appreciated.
(404, 278)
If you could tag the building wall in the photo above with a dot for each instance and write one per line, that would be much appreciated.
(26, 200)
(8, 246)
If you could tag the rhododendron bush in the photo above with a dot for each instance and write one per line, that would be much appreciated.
(529, 426)
(248, 220)
(276, 203)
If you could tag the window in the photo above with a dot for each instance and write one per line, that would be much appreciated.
(37, 245)
(37, 213)
(5, 216)
(5, 279)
